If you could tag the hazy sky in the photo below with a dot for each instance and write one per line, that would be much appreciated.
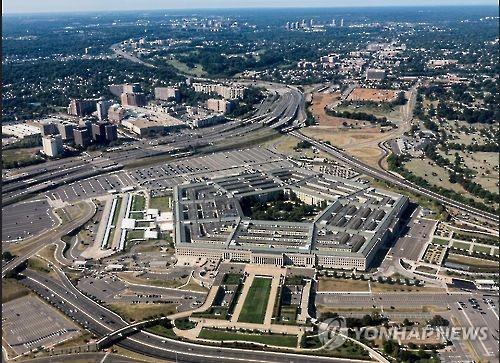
(22, 6)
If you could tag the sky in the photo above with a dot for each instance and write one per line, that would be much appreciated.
(35, 6)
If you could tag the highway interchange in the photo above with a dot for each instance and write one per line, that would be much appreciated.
(105, 170)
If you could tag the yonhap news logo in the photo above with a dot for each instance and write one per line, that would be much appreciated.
(333, 333)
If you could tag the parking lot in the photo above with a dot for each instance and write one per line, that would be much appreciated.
(168, 175)
(26, 219)
(28, 323)
(110, 289)
(92, 187)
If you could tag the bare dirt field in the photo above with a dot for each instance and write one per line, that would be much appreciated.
(322, 100)
(372, 94)
(360, 143)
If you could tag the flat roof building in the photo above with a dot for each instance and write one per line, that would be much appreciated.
(82, 136)
(167, 93)
(375, 74)
(52, 145)
(133, 99)
(353, 221)
(82, 107)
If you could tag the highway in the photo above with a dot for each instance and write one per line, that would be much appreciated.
(393, 179)
(101, 321)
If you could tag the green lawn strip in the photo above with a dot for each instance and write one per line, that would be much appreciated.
(268, 339)
(160, 203)
(136, 215)
(134, 234)
(461, 245)
(231, 279)
(289, 313)
(111, 236)
(482, 249)
(138, 202)
(164, 330)
(214, 312)
(117, 211)
(254, 307)
(235, 299)
(438, 241)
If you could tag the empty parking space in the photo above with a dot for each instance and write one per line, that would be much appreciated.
(28, 323)
(26, 219)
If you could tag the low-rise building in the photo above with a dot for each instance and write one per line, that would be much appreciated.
(375, 74)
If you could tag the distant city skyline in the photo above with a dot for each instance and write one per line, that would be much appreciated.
(37, 6)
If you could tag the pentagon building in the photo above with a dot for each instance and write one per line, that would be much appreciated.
(352, 222)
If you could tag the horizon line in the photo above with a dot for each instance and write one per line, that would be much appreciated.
(246, 8)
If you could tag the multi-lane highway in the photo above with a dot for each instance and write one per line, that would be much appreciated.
(393, 179)
(101, 321)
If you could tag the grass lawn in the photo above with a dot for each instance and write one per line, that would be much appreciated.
(161, 203)
(134, 234)
(21, 156)
(136, 215)
(138, 202)
(289, 313)
(117, 211)
(268, 339)
(475, 262)
(141, 311)
(333, 284)
(482, 249)
(426, 269)
(231, 279)
(349, 350)
(111, 237)
(164, 330)
(255, 305)
(461, 245)
(172, 283)
(197, 71)
(38, 264)
(11, 289)
(438, 241)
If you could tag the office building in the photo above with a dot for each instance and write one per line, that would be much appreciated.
(66, 131)
(81, 107)
(52, 145)
(99, 132)
(167, 93)
(102, 109)
(82, 136)
(118, 89)
(352, 223)
(228, 92)
(116, 113)
(111, 132)
(222, 106)
(48, 128)
(133, 99)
